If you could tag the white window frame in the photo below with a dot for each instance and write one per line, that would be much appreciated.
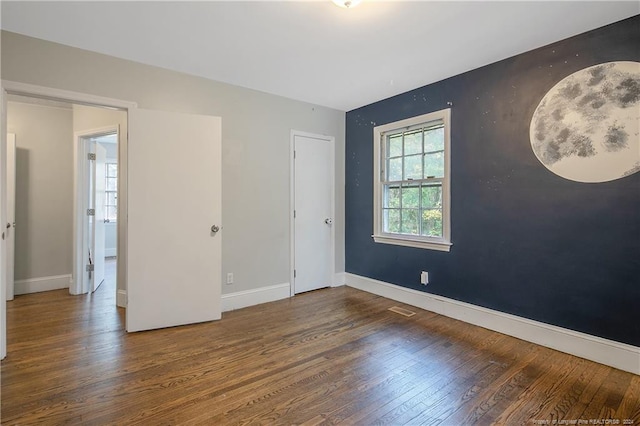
(107, 191)
(425, 242)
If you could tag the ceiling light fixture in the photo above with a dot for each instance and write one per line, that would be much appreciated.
(347, 4)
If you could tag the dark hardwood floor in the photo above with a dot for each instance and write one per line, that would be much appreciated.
(325, 357)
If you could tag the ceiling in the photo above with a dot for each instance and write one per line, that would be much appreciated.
(313, 51)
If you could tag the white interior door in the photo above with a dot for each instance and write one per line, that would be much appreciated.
(11, 214)
(98, 228)
(313, 218)
(174, 195)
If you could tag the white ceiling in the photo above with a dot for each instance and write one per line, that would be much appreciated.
(313, 50)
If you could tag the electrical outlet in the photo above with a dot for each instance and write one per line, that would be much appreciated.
(229, 278)
(424, 278)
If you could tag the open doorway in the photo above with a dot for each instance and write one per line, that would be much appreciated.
(110, 143)
(96, 210)
(164, 141)
(47, 195)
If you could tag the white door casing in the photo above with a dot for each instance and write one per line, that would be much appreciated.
(313, 211)
(10, 234)
(174, 257)
(26, 89)
(98, 228)
(3, 216)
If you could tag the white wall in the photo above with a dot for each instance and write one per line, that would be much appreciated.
(255, 143)
(44, 191)
(110, 239)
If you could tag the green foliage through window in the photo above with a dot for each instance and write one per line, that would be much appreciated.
(412, 181)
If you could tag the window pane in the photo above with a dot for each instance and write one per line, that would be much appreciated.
(112, 170)
(434, 164)
(413, 167)
(112, 199)
(395, 169)
(392, 196)
(394, 149)
(112, 184)
(413, 142)
(434, 140)
(391, 219)
(432, 196)
(411, 197)
(112, 213)
(432, 223)
(409, 221)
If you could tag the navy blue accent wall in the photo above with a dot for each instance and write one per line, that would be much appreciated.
(525, 241)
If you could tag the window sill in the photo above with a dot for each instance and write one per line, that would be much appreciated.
(407, 241)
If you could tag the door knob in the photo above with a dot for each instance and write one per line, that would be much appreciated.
(328, 221)
(215, 228)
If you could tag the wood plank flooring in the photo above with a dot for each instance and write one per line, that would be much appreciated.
(325, 357)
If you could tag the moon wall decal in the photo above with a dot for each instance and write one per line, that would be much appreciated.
(586, 128)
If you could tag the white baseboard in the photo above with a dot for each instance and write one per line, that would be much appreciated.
(339, 279)
(608, 352)
(121, 298)
(242, 299)
(35, 285)
(110, 252)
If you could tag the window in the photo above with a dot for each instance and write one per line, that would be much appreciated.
(411, 182)
(111, 193)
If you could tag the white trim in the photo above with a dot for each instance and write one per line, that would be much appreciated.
(242, 299)
(441, 244)
(407, 241)
(339, 279)
(292, 205)
(3, 218)
(10, 231)
(615, 354)
(292, 177)
(36, 285)
(32, 90)
(121, 298)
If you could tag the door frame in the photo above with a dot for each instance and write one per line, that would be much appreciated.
(292, 202)
(81, 284)
(24, 89)
(10, 227)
